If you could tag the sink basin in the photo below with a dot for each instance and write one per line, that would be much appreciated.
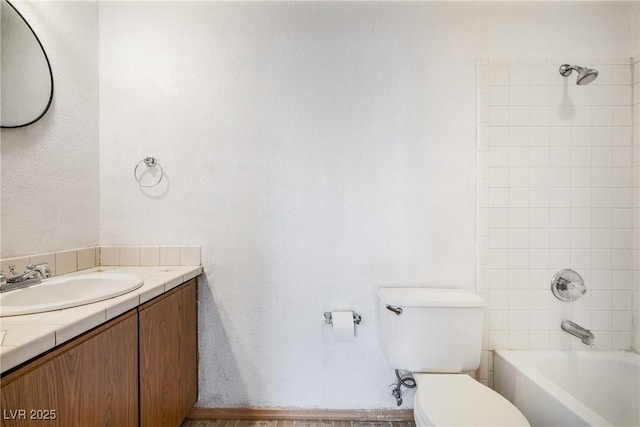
(64, 292)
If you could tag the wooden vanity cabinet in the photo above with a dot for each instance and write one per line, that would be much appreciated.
(89, 381)
(137, 369)
(168, 357)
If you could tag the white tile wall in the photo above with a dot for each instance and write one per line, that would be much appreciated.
(555, 191)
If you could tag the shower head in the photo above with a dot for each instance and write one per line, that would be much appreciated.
(585, 75)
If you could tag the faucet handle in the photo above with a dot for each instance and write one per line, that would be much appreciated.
(12, 270)
(3, 278)
(568, 285)
(36, 265)
(42, 268)
(577, 287)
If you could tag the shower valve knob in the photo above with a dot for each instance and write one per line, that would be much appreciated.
(567, 285)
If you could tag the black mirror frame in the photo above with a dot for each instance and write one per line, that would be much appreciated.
(44, 52)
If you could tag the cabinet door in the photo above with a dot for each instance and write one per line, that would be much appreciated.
(91, 381)
(168, 357)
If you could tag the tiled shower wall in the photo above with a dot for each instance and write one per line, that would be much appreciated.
(555, 192)
(636, 204)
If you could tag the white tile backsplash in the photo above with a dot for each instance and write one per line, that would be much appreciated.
(66, 262)
(190, 255)
(150, 255)
(109, 255)
(86, 258)
(169, 255)
(129, 255)
(69, 261)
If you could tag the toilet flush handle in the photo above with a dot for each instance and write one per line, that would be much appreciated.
(396, 310)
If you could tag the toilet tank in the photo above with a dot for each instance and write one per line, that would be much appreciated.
(438, 330)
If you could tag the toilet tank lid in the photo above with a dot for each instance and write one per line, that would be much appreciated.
(430, 297)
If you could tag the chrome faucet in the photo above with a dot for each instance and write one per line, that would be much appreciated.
(585, 335)
(31, 276)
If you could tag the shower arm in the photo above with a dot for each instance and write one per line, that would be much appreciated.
(566, 69)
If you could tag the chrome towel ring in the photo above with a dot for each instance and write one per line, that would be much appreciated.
(150, 162)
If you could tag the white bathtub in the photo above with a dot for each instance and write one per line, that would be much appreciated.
(571, 388)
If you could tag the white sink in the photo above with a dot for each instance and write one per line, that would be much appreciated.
(64, 292)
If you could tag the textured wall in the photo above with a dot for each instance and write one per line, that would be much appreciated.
(316, 151)
(636, 204)
(636, 183)
(50, 169)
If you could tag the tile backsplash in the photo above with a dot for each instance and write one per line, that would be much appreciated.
(150, 255)
(68, 261)
(555, 191)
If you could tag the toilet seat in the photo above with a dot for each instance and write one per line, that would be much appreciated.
(459, 400)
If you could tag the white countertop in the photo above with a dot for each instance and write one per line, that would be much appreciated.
(24, 337)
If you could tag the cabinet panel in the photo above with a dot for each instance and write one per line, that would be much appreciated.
(168, 357)
(91, 381)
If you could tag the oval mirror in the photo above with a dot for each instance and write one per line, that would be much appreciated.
(26, 81)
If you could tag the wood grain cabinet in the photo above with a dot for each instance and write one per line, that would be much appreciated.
(90, 381)
(139, 369)
(168, 357)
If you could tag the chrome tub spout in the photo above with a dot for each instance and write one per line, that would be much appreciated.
(585, 335)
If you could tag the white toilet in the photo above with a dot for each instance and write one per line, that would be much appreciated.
(436, 334)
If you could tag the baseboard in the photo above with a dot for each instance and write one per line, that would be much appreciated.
(300, 414)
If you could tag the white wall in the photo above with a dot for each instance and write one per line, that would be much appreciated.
(316, 151)
(636, 185)
(636, 205)
(50, 181)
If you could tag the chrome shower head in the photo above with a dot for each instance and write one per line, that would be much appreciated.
(585, 75)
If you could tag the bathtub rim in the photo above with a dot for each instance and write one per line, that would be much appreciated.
(523, 362)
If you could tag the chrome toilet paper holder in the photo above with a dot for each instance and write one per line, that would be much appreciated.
(329, 321)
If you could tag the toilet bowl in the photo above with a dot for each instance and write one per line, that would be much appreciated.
(436, 334)
(459, 400)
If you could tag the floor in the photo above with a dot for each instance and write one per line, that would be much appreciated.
(300, 423)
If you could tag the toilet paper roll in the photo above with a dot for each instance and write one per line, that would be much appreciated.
(343, 326)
